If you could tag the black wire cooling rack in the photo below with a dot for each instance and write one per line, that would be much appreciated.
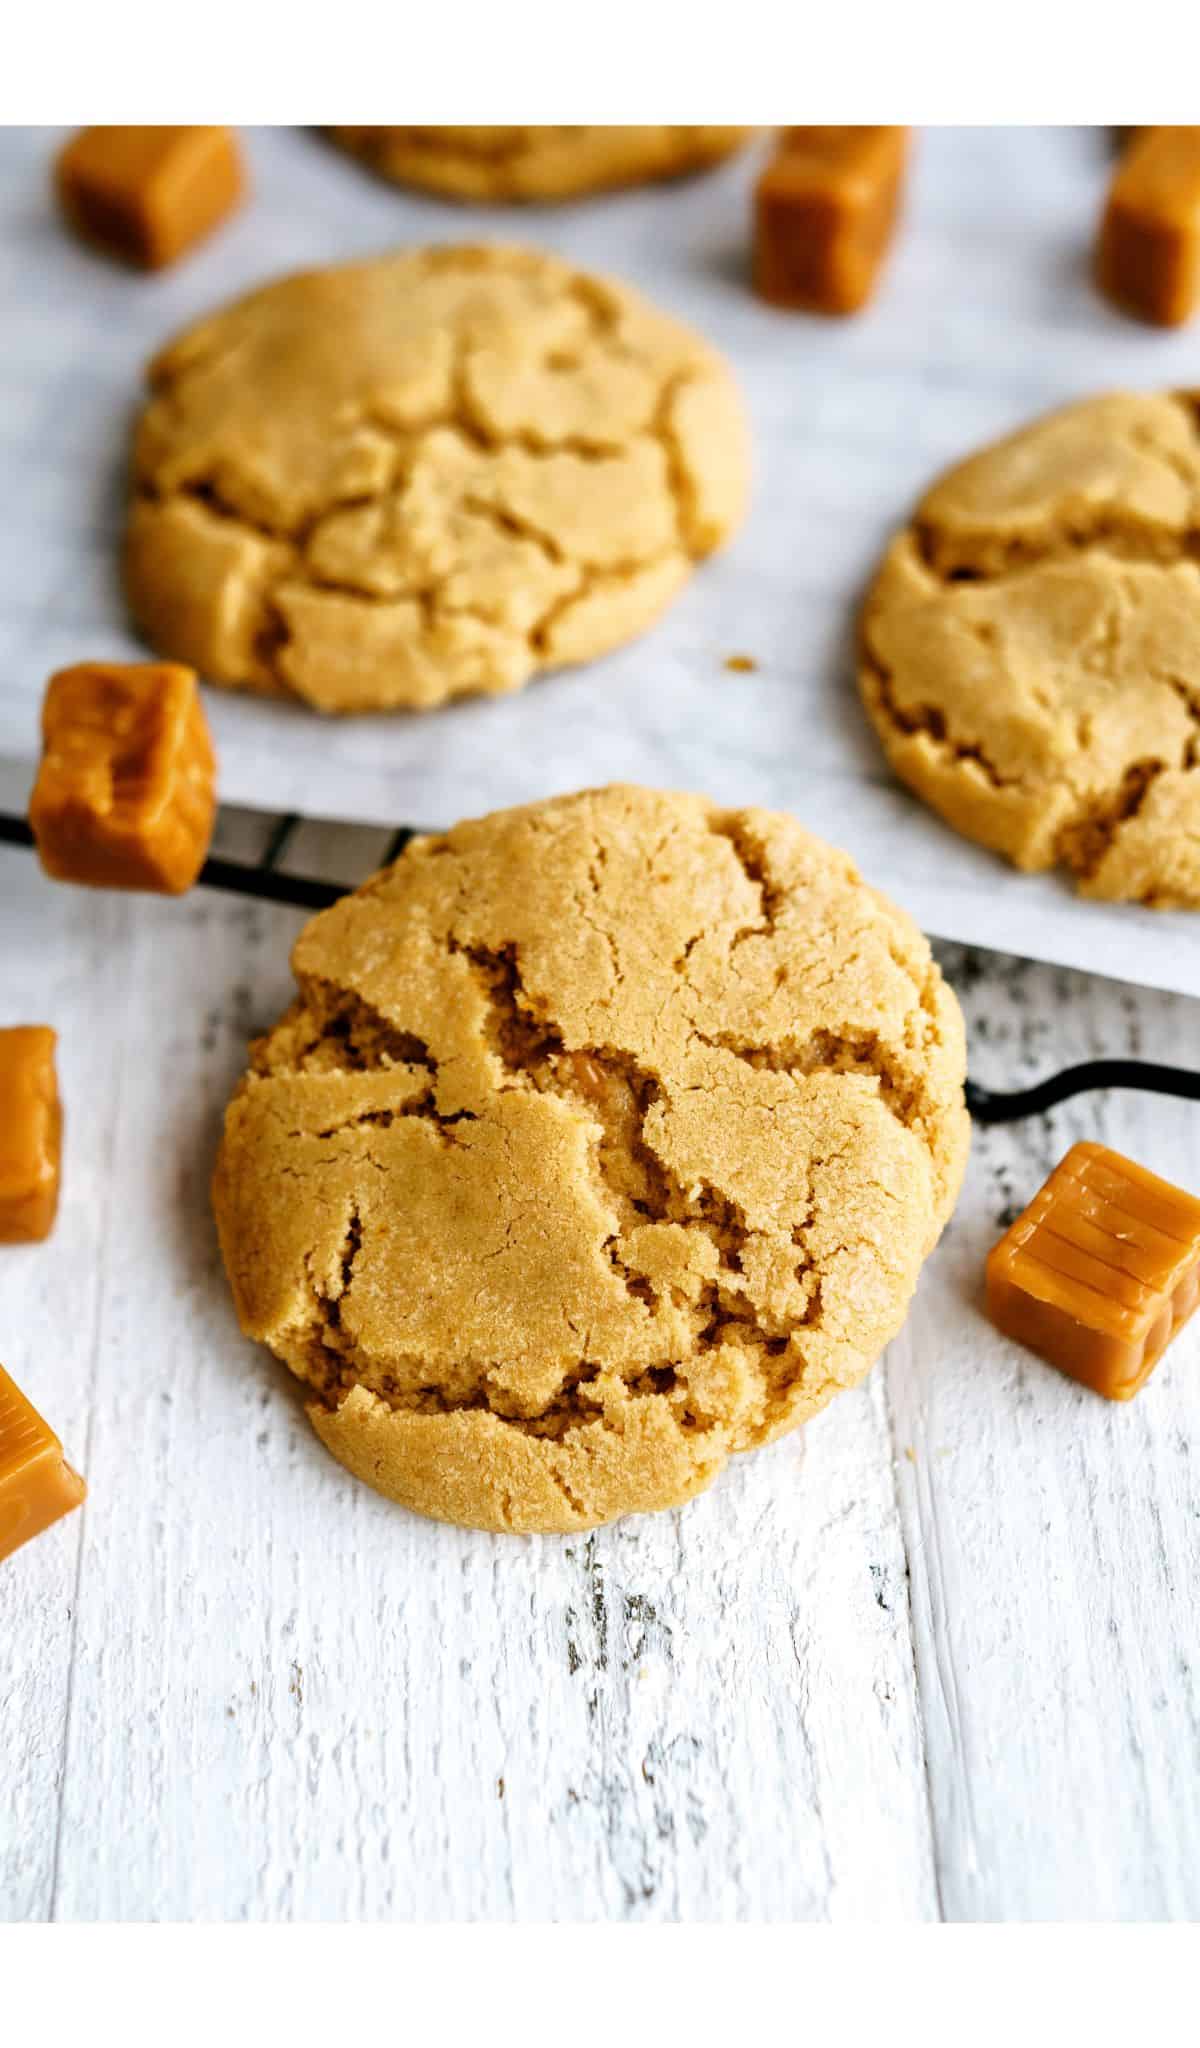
(262, 878)
(269, 883)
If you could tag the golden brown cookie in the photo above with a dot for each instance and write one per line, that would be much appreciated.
(432, 474)
(535, 163)
(606, 1137)
(1031, 647)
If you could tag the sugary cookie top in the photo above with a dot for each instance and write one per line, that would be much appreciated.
(432, 472)
(1032, 646)
(606, 1136)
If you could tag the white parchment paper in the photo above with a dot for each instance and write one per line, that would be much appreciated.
(987, 316)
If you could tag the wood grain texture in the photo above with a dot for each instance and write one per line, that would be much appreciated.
(848, 1683)
(1053, 1538)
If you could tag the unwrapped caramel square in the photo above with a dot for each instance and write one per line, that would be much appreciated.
(36, 1483)
(148, 194)
(30, 1134)
(125, 795)
(824, 212)
(1100, 1272)
(1148, 257)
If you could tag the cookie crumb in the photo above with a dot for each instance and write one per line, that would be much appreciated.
(741, 664)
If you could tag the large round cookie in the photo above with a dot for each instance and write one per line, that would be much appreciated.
(431, 474)
(606, 1137)
(1031, 647)
(535, 163)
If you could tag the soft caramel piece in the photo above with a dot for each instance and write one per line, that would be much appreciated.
(1148, 258)
(148, 194)
(1100, 1272)
(30, 1134)
(824, 211)
(36, 1483)
(125, 793)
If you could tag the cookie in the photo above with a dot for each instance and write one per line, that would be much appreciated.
(535, 163)
(432, 474)
(1031, 647)
(605, 1138)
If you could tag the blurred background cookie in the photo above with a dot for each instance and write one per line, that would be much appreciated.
(508, 163)
(427, 475)
(1031, 647)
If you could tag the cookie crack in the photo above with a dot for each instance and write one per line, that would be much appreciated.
(207, 492)
(983, 557)
(350, 1251)
(422, 1108)
(462, 415)
(753, 859)
(618, 1094)
(591, 581)
(616, 1091)
(318, 1351)
(336, 1028)
(930, 721)
(1189, 696)
(602, 311)
(597, 862)
(465, 419)
(571, 1410)
(680, 482)
(860, 1053)
(428, 597)
(274, 635)
(512, 523)
(1084, 842)
(570, 1405)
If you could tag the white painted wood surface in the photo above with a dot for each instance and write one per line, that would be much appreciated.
(938, 1656)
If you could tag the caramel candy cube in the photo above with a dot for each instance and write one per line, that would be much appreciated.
(125, 794)
(1148, 258)
(148, 194)
(824, 211)
(1100, 1272)
(30, 1134)
(36, 1483)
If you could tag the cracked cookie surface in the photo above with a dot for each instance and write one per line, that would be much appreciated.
(424, 476)
(606, 1137)
(508, 163)
(1031, 647)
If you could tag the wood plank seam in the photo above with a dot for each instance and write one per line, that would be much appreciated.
(93, 1373)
